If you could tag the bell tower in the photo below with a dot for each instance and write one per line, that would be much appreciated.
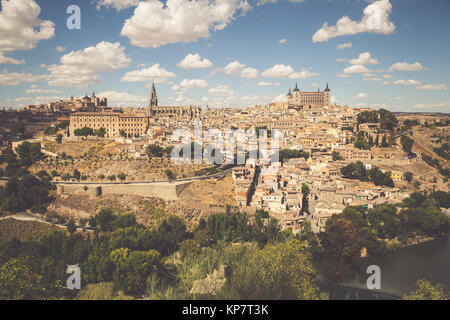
(153, 97)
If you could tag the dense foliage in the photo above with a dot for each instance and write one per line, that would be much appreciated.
(357, 170)
(24, 190)
(287, 154)
(387, 119)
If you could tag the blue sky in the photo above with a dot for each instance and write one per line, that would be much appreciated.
(394, 53)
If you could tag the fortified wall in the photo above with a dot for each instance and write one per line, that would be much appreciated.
(164, 190)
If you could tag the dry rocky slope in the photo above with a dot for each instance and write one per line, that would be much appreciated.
(199, 199)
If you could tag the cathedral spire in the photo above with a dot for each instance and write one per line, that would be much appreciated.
(153, 97)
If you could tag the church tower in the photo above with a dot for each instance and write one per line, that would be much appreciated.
(153, 98)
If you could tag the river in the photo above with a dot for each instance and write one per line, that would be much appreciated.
(402, 268)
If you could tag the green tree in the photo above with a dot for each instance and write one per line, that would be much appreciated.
(29, 153)
(76, 174)
(153, 150)
(380, 178)
(342, 247)
(84, 132)
(170, 175)
(8, 156)
(104, 219)
(18, 281)
(51, 130)
(407, 143)
(355, 170)
(122, 176)
(408, 176)
(132, 271)
(384, 143)
(59, 138)
(305, 193)
(280, 271)
(101, 132)
(337, 156)
(71, 227)
(427, 291)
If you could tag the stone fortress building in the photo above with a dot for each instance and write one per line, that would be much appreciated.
(309, 99)
(132, 124)
(85, 104)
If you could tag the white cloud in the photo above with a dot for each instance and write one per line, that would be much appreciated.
(304, 74)
(34, 90)
(342, 46)
(20, 26)
(60, 48)
(361, 95)
(364, 59)
(386, 82)
(251, 100)
(38, 100)
(234, 68)
(155, 23)
(375, 19)
(8, 60)
(342, 75)
(404, 66)
(154, 73)
(282, 41)
(105, 57)
(250, 73)
(278, 71)
(268, 84)
(194, 61)
(355, 69)
(193, 83)
(81, 68)
(263, 2)
(441, 86)
(283, 71)
(445, 106)
(14, 79)
(387, 76)
(123, 98)
(221, 90)
(372, 79)
(410, 82)
(117, 4)
(280, 98)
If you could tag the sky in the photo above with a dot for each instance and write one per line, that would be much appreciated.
(391, 54)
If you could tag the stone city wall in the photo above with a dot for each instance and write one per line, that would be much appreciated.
(166, 191)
